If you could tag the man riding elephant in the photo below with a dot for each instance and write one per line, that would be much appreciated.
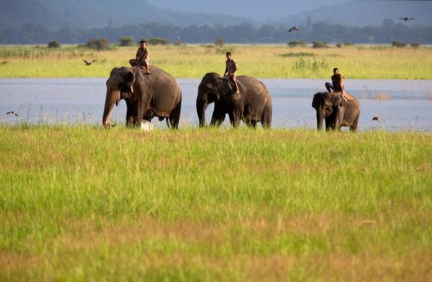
(141, 57)
(230, 70)
(252, 105)
(337, 85)
(337, 112)
(146, 96)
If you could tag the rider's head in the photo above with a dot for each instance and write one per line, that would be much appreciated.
(142, 44)
(335, 70)
(228, 55)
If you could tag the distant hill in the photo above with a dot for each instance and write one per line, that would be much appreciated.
(364, 13)
(98, 13)
(257, 10)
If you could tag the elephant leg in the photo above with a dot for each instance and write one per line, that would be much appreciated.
(218, 116)
(174, 117)
(319, 118)
(235, 118)
(267, 116)
(328, 124)
(130, 115)
(143, 104)
(339, 117)
(353, 127)
(231, 117)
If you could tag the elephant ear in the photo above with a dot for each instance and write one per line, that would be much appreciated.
(337, 101)
(227, 83)
(316, 102)
(114, 71)
(221, 85)
(129, 79)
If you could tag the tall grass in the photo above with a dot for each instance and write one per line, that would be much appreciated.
(195, 61)
(83, 203)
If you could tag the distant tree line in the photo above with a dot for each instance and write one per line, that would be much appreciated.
(242, 33)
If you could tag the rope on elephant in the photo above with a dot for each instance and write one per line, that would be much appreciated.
(346, 96)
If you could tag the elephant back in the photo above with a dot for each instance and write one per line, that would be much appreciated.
(258, 101)
(253, 86)
(157, 76)
(156, 73)
(158, 82)
(351, 100)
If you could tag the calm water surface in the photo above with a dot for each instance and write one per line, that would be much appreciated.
(82, 100)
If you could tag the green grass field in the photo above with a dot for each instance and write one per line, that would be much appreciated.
(355, 62)
(86, 204)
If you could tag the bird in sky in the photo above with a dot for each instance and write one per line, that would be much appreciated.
(12, 113)
(375, 118)
(293, 28)
(89, 63)
(406, 19)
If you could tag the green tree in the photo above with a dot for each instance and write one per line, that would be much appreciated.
(399, 44)
(98, 44)
(319, 44)
(157, 41)
(295, 43)
(126, 41)
(54, 44)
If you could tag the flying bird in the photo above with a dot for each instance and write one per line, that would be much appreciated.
(375, 118)
(12, 113)
(406, 19)
(293, 28)
(89, 63)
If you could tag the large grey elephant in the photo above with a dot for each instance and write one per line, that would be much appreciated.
(336, 111)
(252, 105)
(146, 95)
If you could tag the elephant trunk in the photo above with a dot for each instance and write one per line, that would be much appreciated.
(201, 105)
(320, 117)
(112, 98)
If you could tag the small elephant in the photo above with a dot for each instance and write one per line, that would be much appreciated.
(252, 105)
(336, 111)
(146, 95)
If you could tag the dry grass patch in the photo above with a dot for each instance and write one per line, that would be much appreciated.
(13, 261)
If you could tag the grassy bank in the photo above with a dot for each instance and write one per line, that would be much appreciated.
(355, 62)
(86, 204)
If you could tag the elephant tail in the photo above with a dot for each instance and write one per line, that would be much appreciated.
(266, 119)
(174, 118)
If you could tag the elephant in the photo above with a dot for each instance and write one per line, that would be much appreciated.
(146, 95)
(252, 105)
(336, 111)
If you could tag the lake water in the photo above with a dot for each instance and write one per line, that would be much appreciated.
(81, 100)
